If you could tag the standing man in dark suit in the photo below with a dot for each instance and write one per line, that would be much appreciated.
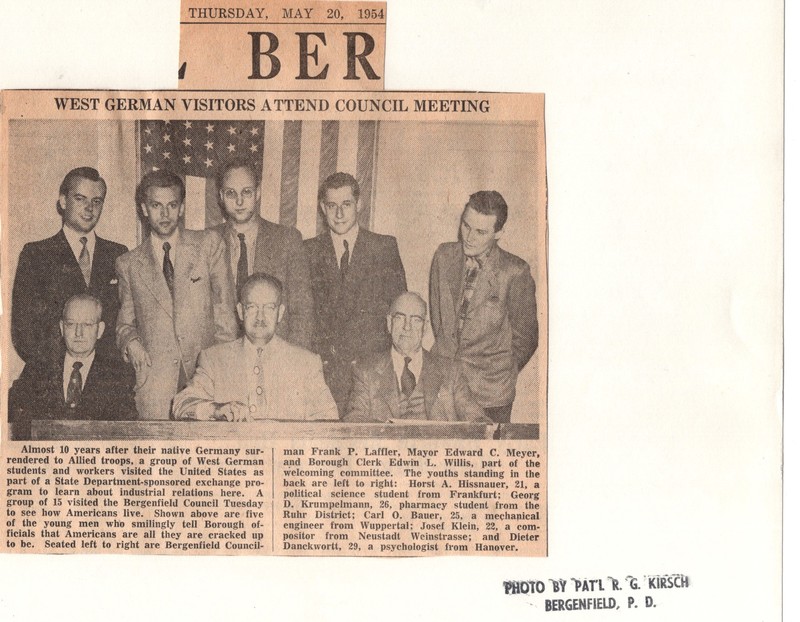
(483, 305)
(407, 381)
(176, 296)
(81, 382)
(74, 261)
(257, 245)
(355, 276)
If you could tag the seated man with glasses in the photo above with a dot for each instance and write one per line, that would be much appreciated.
(408, 382)
(257, 245)
(81, 382)
(258, 376)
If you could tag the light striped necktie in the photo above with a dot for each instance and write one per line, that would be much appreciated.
(84, 261)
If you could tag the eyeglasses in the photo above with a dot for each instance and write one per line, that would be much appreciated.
(416, 320)
(83, 325)
(251, 308)
(231, 195)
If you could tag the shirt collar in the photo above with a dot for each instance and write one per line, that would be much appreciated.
(86, 360)
(158, 245)
(399, 362)
(74, 240)
(252, 350)
(249, 229)
(338, 240)
(479, 261)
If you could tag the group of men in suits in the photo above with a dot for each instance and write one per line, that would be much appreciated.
(245, 320)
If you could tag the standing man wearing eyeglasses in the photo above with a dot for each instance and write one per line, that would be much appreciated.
(257, 245)
(355, 276)
(407, 382)
(176, 296)
(73, 261)
(258, 376)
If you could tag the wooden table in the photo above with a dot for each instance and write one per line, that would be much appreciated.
(266, 430)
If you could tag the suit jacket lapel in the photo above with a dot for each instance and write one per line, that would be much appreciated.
(431, 377)
(185, 258)
(67, 263)
(329, 257)
(263, 250)
(358, 257)
(387, 389)
(455, 276)
(153, 277)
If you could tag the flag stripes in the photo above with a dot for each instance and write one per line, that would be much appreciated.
(294, 158)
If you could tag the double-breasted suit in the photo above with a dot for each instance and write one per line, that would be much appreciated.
(47, 275)
(351, 312)
(174, 331)
(500, 330)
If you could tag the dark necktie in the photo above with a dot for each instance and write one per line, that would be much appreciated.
(408, 381)
(169, 270)
(345, 262)
(75, 385)
(241, 266)
(85, 262)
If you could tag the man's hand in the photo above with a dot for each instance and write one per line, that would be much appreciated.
(232, 411)
(140, 360)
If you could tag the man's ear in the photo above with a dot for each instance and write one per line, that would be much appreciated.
(61, 327)
(240, 311)
(359, 206)
(498, 234)
(281, 311)
(181, 208)
(389, 324)
(62, 199)
(101, 328)
(143, 207)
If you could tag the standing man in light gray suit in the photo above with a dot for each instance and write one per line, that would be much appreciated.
(483, 305)
(257, 245)
(176, 296)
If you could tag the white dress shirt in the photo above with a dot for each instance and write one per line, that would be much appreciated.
(74, 240)
(338, 243)
(158, 247)
(399, 363)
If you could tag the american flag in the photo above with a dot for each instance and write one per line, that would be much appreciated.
(294, 156)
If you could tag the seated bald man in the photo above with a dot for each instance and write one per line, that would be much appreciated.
(79, 382)
(258, 376)
(407, 381)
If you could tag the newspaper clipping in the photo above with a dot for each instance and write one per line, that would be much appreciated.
(275, 323)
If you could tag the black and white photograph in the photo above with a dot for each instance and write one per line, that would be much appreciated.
(226, 278)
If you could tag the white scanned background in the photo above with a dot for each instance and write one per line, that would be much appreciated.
(664, 151)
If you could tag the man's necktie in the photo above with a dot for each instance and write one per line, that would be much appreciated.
(241, 266)
(469, 288)
(169, 270)
(345, 262)
(408, 381)
(75, 385)
(85, 262)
